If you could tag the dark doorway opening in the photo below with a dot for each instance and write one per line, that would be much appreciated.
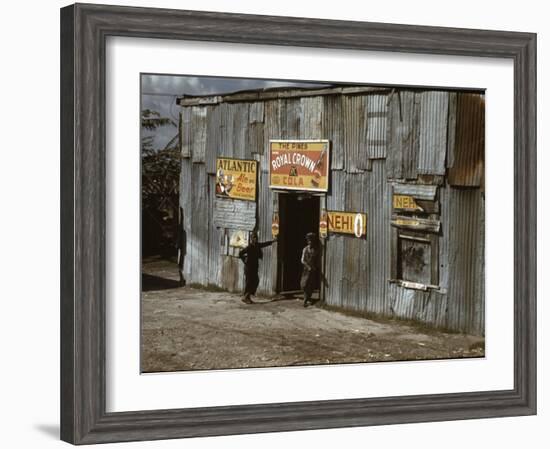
(298, 215)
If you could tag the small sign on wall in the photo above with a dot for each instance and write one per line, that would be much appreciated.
(238, 239)
(354, 223)
(275, 224)
(323, 225)
(405, 203)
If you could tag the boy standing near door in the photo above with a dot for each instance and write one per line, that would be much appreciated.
(310, 256)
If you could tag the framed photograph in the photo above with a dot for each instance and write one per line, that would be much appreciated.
(331, 215)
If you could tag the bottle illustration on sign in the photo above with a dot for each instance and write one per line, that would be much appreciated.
(275, 225)
(323, 225)
(293, 171)
(318, 168)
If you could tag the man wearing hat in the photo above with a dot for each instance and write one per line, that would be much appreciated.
(309, 271)
(251, 256)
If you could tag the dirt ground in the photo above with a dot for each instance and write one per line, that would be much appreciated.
(186, 328)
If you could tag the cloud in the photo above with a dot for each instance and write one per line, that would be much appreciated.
(159, 93)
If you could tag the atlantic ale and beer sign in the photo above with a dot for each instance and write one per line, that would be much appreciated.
(236, 178)
(299, 165)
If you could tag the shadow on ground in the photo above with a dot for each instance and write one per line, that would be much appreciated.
(151, 282)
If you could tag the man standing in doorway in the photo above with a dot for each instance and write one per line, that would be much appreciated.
(251, 256)
(309, 267)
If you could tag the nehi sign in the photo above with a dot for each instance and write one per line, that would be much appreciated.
(347, 223)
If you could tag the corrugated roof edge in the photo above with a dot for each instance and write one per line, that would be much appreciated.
(275, 93)
(293, 92)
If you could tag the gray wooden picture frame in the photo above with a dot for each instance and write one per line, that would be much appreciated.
(84, 29)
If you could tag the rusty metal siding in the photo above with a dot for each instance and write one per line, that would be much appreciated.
(354, 127)
(425, 306)
(215, 238)
(255, 130)
(198, 129)
(186, 136)
(419, 191)
(312, 118)
(197, 238)
(377, 117)
(432, 145)
(240, 127)
(403, 135)
(444, 240)
(354, 271)
(466, 254)
(359, 268)
(265, 213)
(271, 130)
(186, 205)
(213, 138)
(290, 114)
(468, 152)
(451, 129)
(256, 112)
(335, 243)
(378, 207)
(226, 130)
(231, 274)
(333, 129)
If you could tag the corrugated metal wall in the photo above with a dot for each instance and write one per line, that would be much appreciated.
(377, 139)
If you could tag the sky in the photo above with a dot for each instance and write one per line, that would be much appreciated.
(159, 93)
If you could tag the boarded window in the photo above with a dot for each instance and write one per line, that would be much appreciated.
(415, 261)
(415, 235)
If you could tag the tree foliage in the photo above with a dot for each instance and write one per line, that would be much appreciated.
(151, 120)
(160, 171)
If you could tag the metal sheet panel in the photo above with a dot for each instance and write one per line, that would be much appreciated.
(418, 191)
(451, 129)
(255, 140)
(231, 274)
(198, 129)
(240, 130)
(215, 239)
(198, 237)
(290, 114)
(185, 129)
(312, 118)
(265, 213)
(333, 129)
(213, 138)
(378, 207)
(466, 255)
(186, 179)
(271, 130)
(256, 112)
(354, 127)
(403, 134)
(334, 294)
(425, 306)
(377, 117)
(468, 152)
(234, 214)
(432, 148)
(354, 271)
